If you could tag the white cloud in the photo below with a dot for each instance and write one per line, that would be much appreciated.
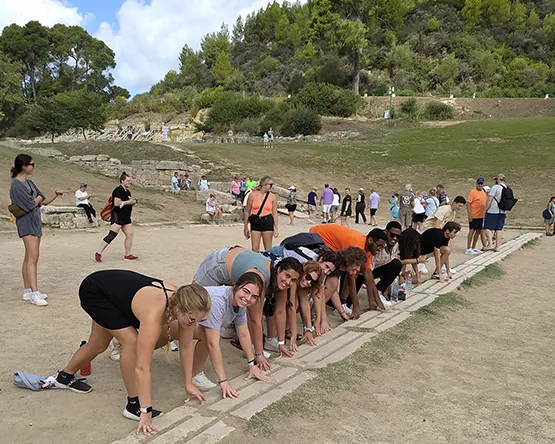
(48, 12)
(150, 36)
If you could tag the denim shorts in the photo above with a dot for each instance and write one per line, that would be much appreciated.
(213, 271)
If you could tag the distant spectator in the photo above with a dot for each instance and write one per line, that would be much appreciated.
(335, 205)
(292, 204)
(185, 182)
(441, 195)
(394, 207)
(476, 207)
(203, 184)
(165, 130)
(432, 203)
(405, 206)
(550, 221)
(360, 207)
(418, 212)
(250, 183)
(495, 216)
(129, 133)
(374, 203)
(235, 188)
(243, 187)
(175, 182)
(266, 140)
(346, 208)
(326, 199)
(213, 210)
(82, 201)
(312, 202)
(270, 138)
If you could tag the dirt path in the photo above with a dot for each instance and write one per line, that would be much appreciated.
(484, 375)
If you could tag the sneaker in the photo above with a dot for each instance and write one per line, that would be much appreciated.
(444, 270)
(385, 302)
(174, 346)
(115, 351)
(133, 412)
(35, 298)
(476, 251)
(202, 382)
(348, 310)
(271, 344)
(97, 257)
(131, 257)
(67, 381)
(469, 251)
(435, 276)
(422, 269)
(228, 332)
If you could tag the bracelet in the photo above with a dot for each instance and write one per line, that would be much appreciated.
(341, 312)
(281, 342)
(309, 329)
(257, 355)
(252, 362)
(221, 381)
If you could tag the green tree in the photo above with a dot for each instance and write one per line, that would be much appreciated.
(222, 68)
(212, 45)
(533, 17)
(518, 15)
(10, 90)
(238, 33)
(499, 11)
(193, 69)
(324, 25)
(472, 12)
(445, 73)
(51, 116)
(86, 110)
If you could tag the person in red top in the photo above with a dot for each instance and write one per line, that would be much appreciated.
(338, 238)
(476, 206)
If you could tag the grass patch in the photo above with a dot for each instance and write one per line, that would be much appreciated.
(531, 243)
(493, 271)
(314, 397)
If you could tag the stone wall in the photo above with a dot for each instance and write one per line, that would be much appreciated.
(65, 217)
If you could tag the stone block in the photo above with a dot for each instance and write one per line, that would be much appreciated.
(221, 198)
(102, 158)
(393, 321)
(380, 319)
(346, 351)
(170, 165)
(231, 209)
(212, 434)
(177, 434)
(426, 301)
(88, 158)
(366, 316)
(415, 298)
(324, 351)
(66, 217)
(115, 161)
(76, 158)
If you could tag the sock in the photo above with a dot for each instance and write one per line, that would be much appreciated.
(134, 400)
(64, 375)
(27, 290)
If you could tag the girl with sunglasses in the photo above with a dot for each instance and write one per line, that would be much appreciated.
(142, 313)
(229, 306)
(26, 201)
(261, 214)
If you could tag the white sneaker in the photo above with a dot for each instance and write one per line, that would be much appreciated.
(35, 298)
(422, 269)
(271, 344)
(228, 332)
(444, 270)
(385, 302)
(202, 382)
(174, 346)
(348, 310)
(115, 351)
(469, 251)
(476, 251)
(27, 295)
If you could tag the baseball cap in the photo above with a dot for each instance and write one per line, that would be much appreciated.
(292, 187)
(500, 176)
(480, 180)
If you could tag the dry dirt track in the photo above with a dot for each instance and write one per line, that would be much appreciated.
(40, 340)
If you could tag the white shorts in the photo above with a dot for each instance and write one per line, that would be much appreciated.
(326, 208)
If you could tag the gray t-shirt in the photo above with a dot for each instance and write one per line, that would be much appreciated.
(222, 311)
(496, 192)
(405, 199)
(24, 195)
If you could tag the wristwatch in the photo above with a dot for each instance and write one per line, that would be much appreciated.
(310, 329)
(146, 410)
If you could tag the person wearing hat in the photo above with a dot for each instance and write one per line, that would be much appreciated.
(292, 204)
(82, 201)
(476, 206)
(495, 216)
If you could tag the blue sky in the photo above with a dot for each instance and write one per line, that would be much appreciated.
(146, 35)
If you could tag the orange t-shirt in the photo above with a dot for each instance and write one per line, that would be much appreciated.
(477, 200)
(338, 237)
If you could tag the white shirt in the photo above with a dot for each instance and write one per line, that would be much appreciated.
(175, 183)
(418, 207)
(335, 200)
(210, 206)
(203, 185)
(79, 194)
(496, 192)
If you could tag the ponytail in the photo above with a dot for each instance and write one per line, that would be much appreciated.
(20, 161)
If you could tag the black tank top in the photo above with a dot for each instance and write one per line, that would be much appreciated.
(120, 287)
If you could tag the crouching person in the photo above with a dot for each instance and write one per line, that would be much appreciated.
(229, 306)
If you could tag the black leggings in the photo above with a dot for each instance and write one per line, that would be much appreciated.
(360, 208)
(89, 210)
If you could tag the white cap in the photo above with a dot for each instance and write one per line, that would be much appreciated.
(292, 187)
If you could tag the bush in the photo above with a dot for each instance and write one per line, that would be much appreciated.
(208, 97)
(329, 100)
(438, 111)
(301, 121)
(410, 109)
(275, 115)
(251, 126)
(230, 108)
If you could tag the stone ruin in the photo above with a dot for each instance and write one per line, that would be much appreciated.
(66, 217)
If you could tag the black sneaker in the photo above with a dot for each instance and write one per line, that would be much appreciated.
(132, 411)
(67, 381)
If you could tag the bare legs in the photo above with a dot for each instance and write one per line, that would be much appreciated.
(30, 262)
(99, 340)
(116, 229)
(128, 243)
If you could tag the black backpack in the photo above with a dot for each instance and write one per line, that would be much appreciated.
(312, 241)
(507, 201)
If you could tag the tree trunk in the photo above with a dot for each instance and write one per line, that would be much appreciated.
(84, 135)
(356, 71)
(52, 136)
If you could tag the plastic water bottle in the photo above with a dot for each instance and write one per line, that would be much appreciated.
(394, 297)
(408, 285)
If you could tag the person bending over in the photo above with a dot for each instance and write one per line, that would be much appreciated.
(437, 242)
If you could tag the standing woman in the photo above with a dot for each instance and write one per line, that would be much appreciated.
(335, 205)
(346, 208)
(549, 221)
(25, 195)
(292, 204)
(394, 209)
(142, 313)
(360, 206)
(261, 214)
(122, 205)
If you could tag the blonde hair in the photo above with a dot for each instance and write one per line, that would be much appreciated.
(314, 267)
(192, 298)
(261, 182)
(432, 191)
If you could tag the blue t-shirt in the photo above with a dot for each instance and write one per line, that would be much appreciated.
(312, 198)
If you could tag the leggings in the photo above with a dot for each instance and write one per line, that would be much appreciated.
(360, 208)
(89, 210)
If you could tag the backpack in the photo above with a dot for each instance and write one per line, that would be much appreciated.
(312, 241)
(507, 201)
(106, 212)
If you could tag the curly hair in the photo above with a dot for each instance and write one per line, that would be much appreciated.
(409, 244)
(353, 256)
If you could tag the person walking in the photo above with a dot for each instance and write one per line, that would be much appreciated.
(418, 212)
(334, 209)
(122, 206)
(549, 221)
(374, 203)
(346, 208)
(261, 214)
(326, 199)
(405, 206)
(311, 203)
(360, 207)
(82, 201)
(26, 200)
(165, 131)
(394, 207)
(292, 204)
(476, 207)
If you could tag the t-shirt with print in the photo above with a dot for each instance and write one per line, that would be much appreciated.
(79, 194)
(385, 256)
(405, 199)
(222, 311)
(443, 215)
(477, 200)
(496, 192)
(338, 237)
(327, 196)
(312, 198)
(432, 238)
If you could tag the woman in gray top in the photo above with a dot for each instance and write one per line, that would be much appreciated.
(25, 194)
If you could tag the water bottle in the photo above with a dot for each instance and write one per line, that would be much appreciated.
(86, 370)
(408, 285)
(394, 297)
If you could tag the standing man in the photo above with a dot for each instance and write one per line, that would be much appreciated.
(270, 138)
(326, 199)
(82, 201)
(476, 207)
(405, 206)
(495, 215)
(175, 182)
(250, 184)
(441, 195)
(312, 202)
(243, 187)
(374, 202)
(444, 214)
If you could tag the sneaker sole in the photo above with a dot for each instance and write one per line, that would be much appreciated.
(65, 387)
(203, 388)
(127, 414)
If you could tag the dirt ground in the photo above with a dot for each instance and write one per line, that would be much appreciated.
(483, 375)
(41, 340)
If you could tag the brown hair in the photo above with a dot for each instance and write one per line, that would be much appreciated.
(261, 182)
(311, 267)
(250, 277)
(450, 226)
(123, 176)
(192, 298)
(353, 256)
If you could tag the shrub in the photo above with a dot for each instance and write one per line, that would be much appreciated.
(275, 115)
(329, 100)
(208, 97)
(251, 126)
(230, 108)
(146, 124)
(438, 111)
(301, 121)
(410, 109)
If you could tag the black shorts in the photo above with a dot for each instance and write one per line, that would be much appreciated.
(373, 211)
(119, 219)
(418, 217)
(476, 224)
(264, 223)
(100, 308)
(292, 208)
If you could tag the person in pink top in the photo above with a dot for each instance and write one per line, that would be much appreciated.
(374, 202)
(326, 199)
(235, 188)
